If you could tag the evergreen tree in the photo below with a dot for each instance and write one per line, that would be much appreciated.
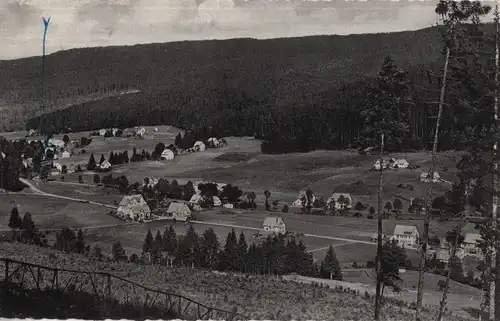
(91, 164)
(175, 190)
(119, 253)
(80, 242)
(147, 247)
(210, 249)
(178, 141)
(188, 191)
(242, 250)
(29, 229)
(170, 244)
(15, 221)
(102, 159)
(157, 248)
(66, 139)
(229, 255)
(189, 248)
(112, 159)
(331, 265)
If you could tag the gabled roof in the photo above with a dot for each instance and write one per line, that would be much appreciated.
(337, 195)
(127, 199)
(195, 198)
(272, 221)
(175, 207)
(472, 238)
(405, 229)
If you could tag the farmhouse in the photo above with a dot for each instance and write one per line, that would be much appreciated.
(274, 224)
(55, 143)
(470, 244)
(401, 163)
(342, 200)
(217, 201)
(167, 154)
(195, 202)
(199, 146)
(385, 164)
(406, 235)
(105, 166)
(141, 132)
(133, 207)
(443, 252)
(102, 132)
(65, 154)
(424, 177)
(303, 194)
(58, 167)
(213, 142)
(178, 211)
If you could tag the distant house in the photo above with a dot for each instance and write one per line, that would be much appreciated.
(227, 205)
(178, 211)
(213, 142)
(58, 167)
(155, 129)
(134, 207)
(56, 143)
(196, 201)
(385, 164)
(102, 132)
(152, 181)
(114, 131)
(141, 132)
(443, 252)
(274, 224)
(217, 201)
(199, 146)
(303, 194)
(471, 248)
(424, 177)
(406, 235)
(105, 166)
(400, 163)
(345, 204)
(65, 154)
(167, 154)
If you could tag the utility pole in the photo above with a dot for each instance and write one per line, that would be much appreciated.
(496, 188)
(378, 293)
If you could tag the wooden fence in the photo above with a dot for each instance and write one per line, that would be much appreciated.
(106, 287)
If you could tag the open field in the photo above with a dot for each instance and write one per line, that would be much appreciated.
(53, 213)
(104, 195)
(255, 296)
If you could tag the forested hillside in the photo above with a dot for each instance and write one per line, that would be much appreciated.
(297, 93)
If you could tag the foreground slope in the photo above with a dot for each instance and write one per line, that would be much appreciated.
(258, 297)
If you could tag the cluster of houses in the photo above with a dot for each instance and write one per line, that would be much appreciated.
(341, 200)
(392, 163)
(407, 236)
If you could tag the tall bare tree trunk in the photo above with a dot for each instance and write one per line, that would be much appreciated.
(378, 294)
(496, 187)
(442, 304)
(425, 235)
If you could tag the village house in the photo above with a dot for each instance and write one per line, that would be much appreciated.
(342, 200)
(406, 236)
(213, 142)
(167, 154)
(424, 177)
(274, 224)
(400, 163)
(303, 194)
(102, 132)
(105, 166)
(217, 201)
(471, 242)
(443, 251)
(141, 132)
(65, 154)
(196, 201)
(199, 146)
(134, 207)
(178, 211)
(392, 163)
(56, 143)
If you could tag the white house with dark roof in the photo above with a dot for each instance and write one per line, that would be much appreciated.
(406, 235)
(425, 177)
(470, 245)
(195, 202)
(199, 146)
(134, 207)
(167, 154)
(178, 211)
(274, 224)
(217, 201)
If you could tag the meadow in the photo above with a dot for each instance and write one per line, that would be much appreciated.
(259, 297)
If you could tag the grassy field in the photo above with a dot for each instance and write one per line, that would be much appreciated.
(258, 297)
(89, 192)
(53, 213)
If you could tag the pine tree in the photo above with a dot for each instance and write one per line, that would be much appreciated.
(170, 244)
(91, 164)
(178, 141)
(119, 253)
(157, 248)
(210, 249)
(102, 160)
(148, 242)
(242, 250)
(331, 265)
(80, 242)
(229, 255)
(15, 221)
(188, 191)
(29, 228)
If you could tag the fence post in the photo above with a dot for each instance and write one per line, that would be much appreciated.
(6, 270)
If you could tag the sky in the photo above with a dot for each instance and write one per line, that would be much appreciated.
(91, 23)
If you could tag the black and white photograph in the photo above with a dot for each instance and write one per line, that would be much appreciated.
(250, 160)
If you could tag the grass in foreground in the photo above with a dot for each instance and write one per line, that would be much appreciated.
(258, 297)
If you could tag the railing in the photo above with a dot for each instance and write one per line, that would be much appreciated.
(108, 287)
